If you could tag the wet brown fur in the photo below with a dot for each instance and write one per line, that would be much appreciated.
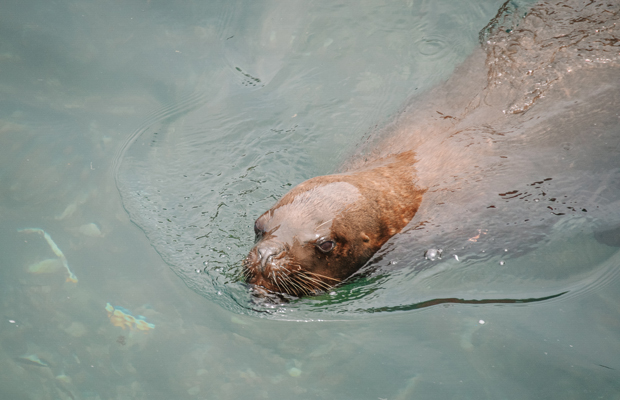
(359, 212)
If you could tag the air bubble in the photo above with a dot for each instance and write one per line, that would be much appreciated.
(432, 254)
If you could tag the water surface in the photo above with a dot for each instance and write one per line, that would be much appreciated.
(201, 115)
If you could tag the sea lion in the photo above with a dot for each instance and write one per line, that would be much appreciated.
(471, 148)
(327, 227)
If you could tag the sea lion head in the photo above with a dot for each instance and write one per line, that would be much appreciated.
(322, 231)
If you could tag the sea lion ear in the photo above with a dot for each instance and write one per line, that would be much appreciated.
(365, 238)
(258, 229)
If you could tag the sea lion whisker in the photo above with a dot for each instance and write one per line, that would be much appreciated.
(285, 281)
(303, 289)
(283, 284)
(323, 285)
(275, 280)
(246, 273)
(300, 289)
(293, 278)
(239, 276)
(328, 221)
(322, 276)
(316, 283)
(313, 279)
(279, 287)
(302, 285)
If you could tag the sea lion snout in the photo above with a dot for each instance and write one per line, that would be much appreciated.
(268, 251)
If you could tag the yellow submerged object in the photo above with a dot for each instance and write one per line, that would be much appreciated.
(122, 318)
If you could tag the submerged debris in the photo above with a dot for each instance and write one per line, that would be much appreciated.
(91, 230)
(71, 208)
(63, 378)
(55, 249)
(122, 318)
(47, 266)
(32, 359)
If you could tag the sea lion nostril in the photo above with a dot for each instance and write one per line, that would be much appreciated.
(267, 251)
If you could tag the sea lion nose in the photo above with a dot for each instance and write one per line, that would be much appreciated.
(267, 251)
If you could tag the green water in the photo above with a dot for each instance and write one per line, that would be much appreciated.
(204, 113)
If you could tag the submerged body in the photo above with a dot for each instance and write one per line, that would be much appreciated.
(504, 125)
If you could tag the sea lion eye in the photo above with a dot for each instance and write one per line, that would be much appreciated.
(326, 246)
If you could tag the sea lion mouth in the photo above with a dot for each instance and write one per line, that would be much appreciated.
(282, 274)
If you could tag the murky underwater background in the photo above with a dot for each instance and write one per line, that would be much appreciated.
(201, 115)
